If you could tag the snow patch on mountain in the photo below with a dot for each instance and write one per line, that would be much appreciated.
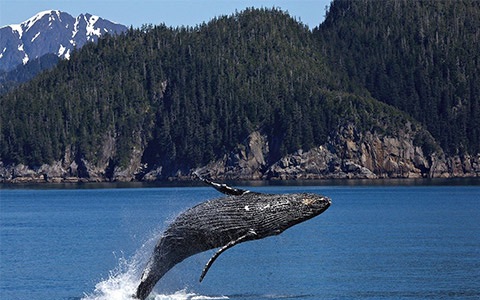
(18, 29)
(91, 30)
(61, 50)
(50, 31)
(25, 55)
(33, 39)
(75, 30)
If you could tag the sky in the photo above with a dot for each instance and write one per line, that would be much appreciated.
(171, 12)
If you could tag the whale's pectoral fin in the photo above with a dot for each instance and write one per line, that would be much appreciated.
(248, 236)
(222, 187)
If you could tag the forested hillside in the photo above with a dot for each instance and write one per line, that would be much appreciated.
(176, 88)
(168, 100)
(422, 57)
(23, 73)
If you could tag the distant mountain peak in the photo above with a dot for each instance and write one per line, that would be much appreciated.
(51, 14)
(50, 31)
(26, 25)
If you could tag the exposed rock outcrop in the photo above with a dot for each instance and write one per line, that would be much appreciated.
(247, 162)
(348, 153)
(72, 169)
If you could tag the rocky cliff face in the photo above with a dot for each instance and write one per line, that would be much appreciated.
(348, 153)
(72, 169)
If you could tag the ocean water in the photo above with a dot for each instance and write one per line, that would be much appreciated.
(374, 242)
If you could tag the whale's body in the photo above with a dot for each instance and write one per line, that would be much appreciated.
(224, 222)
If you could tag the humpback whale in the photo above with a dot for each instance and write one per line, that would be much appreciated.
(224, 222)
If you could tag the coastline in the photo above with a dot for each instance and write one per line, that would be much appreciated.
(407, 182)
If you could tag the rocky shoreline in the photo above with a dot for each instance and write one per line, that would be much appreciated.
(297, 166)
(348, 154)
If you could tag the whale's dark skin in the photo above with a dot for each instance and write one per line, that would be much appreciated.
(225, 222)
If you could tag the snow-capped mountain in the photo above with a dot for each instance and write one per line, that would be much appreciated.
(50, 31)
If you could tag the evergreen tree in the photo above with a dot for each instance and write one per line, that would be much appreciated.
(190, 95)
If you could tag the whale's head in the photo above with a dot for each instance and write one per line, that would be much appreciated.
(306, 206)
(286, 210)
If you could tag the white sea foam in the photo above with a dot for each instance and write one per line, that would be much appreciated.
(123, 280)
(184, 295)
(123, 286)
(120, 285)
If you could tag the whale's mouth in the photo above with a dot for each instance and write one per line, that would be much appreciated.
(328, 200)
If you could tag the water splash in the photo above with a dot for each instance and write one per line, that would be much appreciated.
(184, 295)
(122, 282)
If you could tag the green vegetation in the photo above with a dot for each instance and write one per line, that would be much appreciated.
(189, 95)
(422, 57)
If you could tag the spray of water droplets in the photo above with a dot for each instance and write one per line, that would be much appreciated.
(122, 282)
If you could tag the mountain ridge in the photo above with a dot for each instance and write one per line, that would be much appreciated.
(51, 31)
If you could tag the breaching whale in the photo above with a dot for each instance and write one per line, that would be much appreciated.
(223, 223)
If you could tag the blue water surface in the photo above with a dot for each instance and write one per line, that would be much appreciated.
(374, 242)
